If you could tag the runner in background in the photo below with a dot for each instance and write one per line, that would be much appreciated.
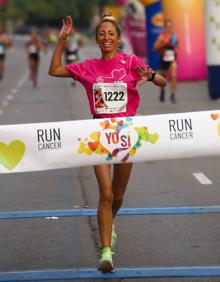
(110, 85)
(73, 43)
(5, 42)
(166, 44)
(33, 48)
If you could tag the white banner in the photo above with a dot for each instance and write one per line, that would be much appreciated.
(45, 146)
(212, 13)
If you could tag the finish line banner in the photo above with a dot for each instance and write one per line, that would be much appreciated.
(46, 146)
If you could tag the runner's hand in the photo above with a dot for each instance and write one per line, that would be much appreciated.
(145, 72)
(67, 25)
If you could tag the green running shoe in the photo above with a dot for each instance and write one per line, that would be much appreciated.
(114, 237)
(105, 262)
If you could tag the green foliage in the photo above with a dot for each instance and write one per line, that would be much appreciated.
(50, 12)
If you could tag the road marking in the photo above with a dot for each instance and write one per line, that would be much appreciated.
(10, 97)
(202, 178)
(5, 103)
(22, 80)
(52, 217)
(14, 90)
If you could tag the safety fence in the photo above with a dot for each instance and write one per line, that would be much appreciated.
(122, 272)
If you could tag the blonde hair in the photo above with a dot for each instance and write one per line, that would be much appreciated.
(108, 18)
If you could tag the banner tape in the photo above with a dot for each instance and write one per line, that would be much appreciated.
(56, 145)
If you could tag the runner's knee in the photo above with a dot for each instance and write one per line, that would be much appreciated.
(106, 197)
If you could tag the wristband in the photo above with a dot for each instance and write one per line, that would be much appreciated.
(153, 76)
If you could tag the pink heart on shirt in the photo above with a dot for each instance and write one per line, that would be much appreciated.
(118, 74)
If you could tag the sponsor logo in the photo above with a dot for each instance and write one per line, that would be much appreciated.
(216, 117)
(157, 20)
(117, 139)
(49, 139)
(181, 129)
(11, 154)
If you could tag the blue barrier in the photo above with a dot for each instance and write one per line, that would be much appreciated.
(92, 212)
(120, 273)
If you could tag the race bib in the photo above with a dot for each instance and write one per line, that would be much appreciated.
(72, 57)
(110, 98)
(2, 50)
(169, 56)
(32, 49)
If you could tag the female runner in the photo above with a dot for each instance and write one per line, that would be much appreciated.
(122, 72)
(33, 48)
(166, 44)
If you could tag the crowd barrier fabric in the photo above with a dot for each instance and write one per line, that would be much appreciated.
(213, 47)
(135, 29)
(45, 146)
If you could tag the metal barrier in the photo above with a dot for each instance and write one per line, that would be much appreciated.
(92, 273)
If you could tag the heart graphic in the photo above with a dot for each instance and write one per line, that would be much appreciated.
(153, 138)
(122, 141)
(116, 74)
(11, 154)
(119, 74)
(93, 145)
(214, 116)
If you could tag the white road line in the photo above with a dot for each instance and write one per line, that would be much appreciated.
(5, 103)
(202, 178)
(14, 90)
(52, 217)
(10, 97)
(22, 80)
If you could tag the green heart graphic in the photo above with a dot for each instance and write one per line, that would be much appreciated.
(153, 138)
(10, 155)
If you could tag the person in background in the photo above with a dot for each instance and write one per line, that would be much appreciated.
(110, 85)
(5, 42)
(32, 49)
(73, 43)
(166, 43)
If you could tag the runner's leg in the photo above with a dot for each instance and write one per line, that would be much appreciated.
(162, 89)
(1, 68)
(104, 214)
(33, 65)
(173, 82)
(121, 176)
(35, 73)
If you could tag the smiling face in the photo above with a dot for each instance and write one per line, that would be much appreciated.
(108, 38)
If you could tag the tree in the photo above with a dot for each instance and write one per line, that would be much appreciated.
(50, 12)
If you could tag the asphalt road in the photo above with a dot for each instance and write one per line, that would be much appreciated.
(175, 240)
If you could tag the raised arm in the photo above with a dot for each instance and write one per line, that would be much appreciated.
(57, 68)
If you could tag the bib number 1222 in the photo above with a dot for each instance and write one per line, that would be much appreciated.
(114, 96)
